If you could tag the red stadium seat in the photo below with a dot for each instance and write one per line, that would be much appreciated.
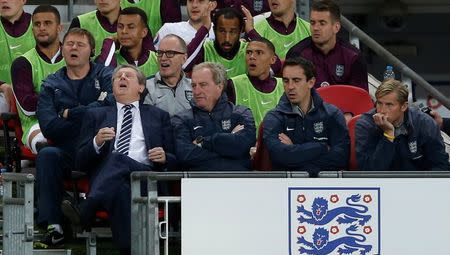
(353, 165)
(261, 160)
(347, 98)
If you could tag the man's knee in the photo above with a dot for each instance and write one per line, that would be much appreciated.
(49, 154)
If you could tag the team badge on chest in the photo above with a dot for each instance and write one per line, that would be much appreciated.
(413, 146)
(318, 127)
(226, 124)
(339, 70)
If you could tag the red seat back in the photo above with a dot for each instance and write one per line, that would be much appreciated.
(261, 160)
(347, 98)
(353, 164)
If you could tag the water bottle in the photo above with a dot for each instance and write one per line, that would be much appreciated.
(389, 73)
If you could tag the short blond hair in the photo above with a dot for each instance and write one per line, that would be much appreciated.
(391, 85)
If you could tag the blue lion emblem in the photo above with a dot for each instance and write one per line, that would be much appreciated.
(322, 246)
(320, 215)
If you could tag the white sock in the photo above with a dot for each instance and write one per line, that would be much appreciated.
(38, 138)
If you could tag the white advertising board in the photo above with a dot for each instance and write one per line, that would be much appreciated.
(315, 216)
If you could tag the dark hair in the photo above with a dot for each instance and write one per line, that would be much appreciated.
(306, 65)
(266, 42)
(228, 13)
(135, 11)
(327, 5)
(48, 8)
(82, 32)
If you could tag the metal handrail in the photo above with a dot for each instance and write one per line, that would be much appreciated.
(383, 53)
(160, 176)
(384, 174)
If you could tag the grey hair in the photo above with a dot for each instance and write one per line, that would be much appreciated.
(139, 74)
(219, 74)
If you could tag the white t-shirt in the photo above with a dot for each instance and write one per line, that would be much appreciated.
(183, 29)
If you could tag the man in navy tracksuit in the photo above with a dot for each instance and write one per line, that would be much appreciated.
(65, 97)
(303, 132)
(214, 134)
(394, 136)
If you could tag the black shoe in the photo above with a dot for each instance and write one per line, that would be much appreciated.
(52, 239)
(72, 212)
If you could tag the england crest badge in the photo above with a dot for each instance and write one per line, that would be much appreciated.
(339, 70)
(258, 5)
(318, 127)
(413, 147)
(226, 124)
(334, 221)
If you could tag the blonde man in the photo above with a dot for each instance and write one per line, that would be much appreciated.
(394, 136)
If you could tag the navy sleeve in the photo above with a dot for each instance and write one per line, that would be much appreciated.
(168, 142)
(54, 127)
(339, 142)
(87, 157)
(434, 148)
(235, 145)
(373, 150)
(288, 155)
(186, 152)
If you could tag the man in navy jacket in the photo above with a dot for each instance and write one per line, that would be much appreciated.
(64, 98)
(113, 145)
(303, 132)
(394, 136)
(214, 134)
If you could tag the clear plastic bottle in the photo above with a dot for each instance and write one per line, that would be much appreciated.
(389, 73)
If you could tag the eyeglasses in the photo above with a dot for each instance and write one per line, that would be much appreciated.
(169, 53)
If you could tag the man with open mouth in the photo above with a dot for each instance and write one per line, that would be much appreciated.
(170, 89)
(65, 97)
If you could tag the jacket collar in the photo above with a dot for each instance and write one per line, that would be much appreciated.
(285, 106)
(220, 105)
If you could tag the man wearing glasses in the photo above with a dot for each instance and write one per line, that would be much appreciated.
(130, 47)
(65, 97)
(170, 89)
